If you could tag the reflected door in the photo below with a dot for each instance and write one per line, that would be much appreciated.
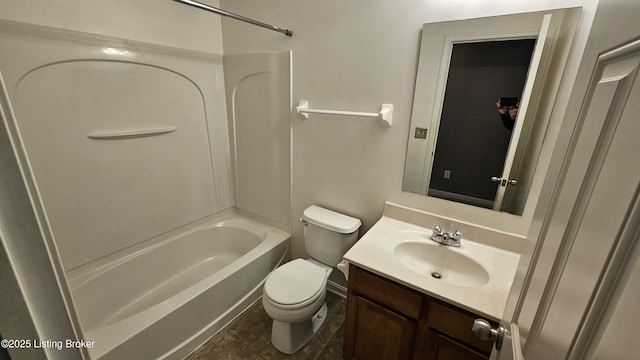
(506, 180)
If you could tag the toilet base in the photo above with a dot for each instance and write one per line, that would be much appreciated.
(291, 337)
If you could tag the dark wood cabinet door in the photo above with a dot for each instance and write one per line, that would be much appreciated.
(386, 320)
(457, 324)
(376, 332)
(441, 347)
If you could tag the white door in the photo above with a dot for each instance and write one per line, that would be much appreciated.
(575, 296)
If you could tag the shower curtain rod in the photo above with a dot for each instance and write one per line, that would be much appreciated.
(235, 16)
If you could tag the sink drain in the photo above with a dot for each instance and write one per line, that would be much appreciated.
(436, 275)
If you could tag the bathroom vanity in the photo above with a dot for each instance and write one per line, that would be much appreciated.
(386, 320)
(411, 298)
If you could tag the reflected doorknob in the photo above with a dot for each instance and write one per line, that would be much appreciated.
(483, 331)
(504, 182)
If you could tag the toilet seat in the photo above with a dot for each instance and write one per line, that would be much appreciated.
(295, 284)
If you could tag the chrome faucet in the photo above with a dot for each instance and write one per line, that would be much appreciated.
(445, 238)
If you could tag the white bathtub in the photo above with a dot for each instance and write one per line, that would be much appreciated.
(163, 301)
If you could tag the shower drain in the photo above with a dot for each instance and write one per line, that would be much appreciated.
(436, 275)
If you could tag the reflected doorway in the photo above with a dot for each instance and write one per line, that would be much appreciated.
(473, 137)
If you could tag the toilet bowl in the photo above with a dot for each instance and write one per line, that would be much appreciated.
(294, 294)
(294, 297)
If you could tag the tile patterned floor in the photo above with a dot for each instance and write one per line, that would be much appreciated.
(248, 337)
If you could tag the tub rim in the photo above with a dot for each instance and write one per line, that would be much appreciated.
(231, 217)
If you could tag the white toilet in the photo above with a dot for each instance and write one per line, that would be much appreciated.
(294, 294)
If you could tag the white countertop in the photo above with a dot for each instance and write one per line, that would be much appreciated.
(375, 252)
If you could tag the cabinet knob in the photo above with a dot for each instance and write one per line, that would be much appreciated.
(483, 331)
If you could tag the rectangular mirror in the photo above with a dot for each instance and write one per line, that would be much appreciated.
(483, 98)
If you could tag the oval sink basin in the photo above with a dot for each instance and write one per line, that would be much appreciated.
(441, 263)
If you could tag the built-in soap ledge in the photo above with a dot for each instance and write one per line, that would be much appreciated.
(492, 237)
(130, 134)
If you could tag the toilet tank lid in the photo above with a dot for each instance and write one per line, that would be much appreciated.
(331, 220)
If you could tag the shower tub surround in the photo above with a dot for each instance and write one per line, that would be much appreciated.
(165, 300)
(128, 143)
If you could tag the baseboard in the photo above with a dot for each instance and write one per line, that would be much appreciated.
(337, 289)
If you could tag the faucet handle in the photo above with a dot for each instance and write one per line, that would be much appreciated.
(457, 235)
(437, 230)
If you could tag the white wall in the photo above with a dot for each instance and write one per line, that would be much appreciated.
(354, 57)
(160, 22)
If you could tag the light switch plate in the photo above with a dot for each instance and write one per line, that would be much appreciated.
(421, 133)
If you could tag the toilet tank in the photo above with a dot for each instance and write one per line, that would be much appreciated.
(328, 234)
